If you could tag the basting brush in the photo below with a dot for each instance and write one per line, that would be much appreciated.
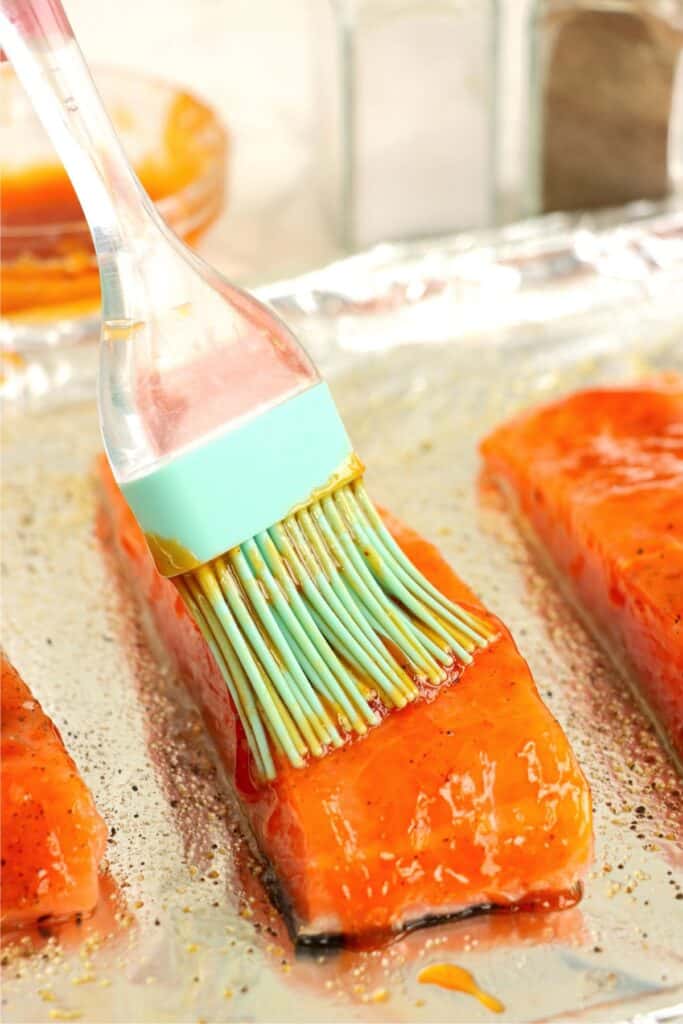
(229, 449)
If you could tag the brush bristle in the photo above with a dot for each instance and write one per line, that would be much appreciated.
(316, 620)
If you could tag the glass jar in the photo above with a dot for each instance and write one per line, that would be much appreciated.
(406, 115)
(606, 102)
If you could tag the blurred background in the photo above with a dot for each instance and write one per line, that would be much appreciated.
(293, 132)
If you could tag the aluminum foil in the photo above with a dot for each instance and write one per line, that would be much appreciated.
(422, 365)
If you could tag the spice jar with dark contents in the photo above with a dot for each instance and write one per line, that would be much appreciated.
(607, 102)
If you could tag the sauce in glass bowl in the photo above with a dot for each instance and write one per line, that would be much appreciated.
(179, 149)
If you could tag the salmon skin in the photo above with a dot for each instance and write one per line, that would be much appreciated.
(468, 799)
(53, 838)
(599, 477)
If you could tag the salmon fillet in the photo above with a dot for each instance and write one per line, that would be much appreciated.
(53, 838)
(470, 798)
(599, 477)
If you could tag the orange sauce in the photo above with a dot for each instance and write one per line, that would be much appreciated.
(48, 262)
(457, 979)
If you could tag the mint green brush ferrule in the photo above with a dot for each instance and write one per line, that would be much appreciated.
(230, 451)
(214, 496)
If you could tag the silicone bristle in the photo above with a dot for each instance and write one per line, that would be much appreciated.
(320, 619)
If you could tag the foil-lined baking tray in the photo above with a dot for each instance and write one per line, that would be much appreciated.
(427, 347)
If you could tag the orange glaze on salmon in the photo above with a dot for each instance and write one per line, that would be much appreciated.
(53, 838)
(469, 798)
(599, 476)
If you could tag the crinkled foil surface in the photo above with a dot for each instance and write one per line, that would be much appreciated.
(427, 347)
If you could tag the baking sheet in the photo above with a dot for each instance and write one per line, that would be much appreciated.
(185, 933)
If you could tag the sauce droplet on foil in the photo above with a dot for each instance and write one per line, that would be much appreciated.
(458, 980)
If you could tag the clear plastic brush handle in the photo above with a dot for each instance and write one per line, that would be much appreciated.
(184, 353)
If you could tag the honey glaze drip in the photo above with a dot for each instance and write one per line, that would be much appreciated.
(457, 979)
(170, 557)
(351, 469)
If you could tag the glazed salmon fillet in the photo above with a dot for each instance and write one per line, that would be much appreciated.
(53, 838)
(599, 477)
(470, 798)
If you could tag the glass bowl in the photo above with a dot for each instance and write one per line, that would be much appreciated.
(50, 285)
